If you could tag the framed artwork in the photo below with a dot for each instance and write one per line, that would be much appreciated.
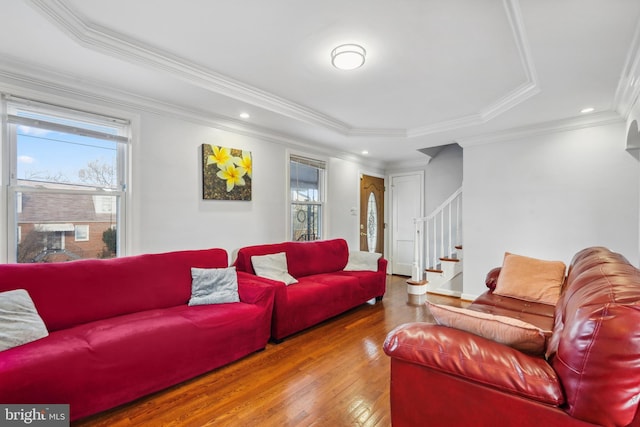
(226, 173)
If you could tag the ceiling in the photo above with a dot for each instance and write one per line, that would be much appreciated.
(436, 72)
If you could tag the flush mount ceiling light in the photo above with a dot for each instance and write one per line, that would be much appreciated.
(348, 56)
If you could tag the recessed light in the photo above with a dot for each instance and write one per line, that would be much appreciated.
(587, 110)
(365, 152)
(244, 115)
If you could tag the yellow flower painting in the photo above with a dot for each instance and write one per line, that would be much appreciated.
(226, 173)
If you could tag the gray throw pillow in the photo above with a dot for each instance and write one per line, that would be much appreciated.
(214, 286)
(20, 323)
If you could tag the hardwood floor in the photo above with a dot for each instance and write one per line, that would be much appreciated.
(335, 374)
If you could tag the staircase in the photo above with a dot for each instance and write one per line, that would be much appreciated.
(446, 277)
(437, 266)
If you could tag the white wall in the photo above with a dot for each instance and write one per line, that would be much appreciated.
(633, 136)
(168, 210)
(343, 191)
(443, 176)
(548, 197)
(167, 207)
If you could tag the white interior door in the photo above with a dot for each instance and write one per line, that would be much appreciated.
(407, 194)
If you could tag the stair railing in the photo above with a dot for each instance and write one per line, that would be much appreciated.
(437, 235)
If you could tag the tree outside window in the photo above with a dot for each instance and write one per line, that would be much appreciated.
(68, 182)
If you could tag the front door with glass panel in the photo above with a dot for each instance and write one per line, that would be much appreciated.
(371, 214)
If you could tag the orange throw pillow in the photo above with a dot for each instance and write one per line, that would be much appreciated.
(505, 330)
(530, 279)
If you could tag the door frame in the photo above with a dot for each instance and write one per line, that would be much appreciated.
(392, 210)
(385, 228)
(382, 224)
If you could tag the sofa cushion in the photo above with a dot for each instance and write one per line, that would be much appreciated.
(303, 258)
(314, 299)
(515, 333)
(93, 289)
(19, 320)
(362, 261)
(213, 286)
(102, 364)
(538, 314)
(273, 266)
(373, 283)
(530, 279)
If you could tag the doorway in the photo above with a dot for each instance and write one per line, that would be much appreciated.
(406, 200)
(371, 214)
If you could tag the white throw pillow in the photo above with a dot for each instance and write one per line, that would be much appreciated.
(214, 286)
(363, 261)
(20, 322)
(273, 267)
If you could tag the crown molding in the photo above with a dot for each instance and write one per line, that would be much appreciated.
(526, 90)
(416, 163)
(118, 45)
(20, 79)
(378, 133)
(574, 123)
(628, 88)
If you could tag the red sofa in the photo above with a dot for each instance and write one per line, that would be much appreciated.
(590, 376)
(323, 290)
(121, 328)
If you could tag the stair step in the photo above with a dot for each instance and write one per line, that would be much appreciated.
(458, 247)
(434, 270)
(449, 259)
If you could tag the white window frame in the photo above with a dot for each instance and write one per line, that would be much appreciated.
(322, 202)
(11, 190)
(85, 233)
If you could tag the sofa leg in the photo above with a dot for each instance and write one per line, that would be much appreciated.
(277, 340)
(379, 298)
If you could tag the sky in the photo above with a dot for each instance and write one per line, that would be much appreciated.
(42, 154)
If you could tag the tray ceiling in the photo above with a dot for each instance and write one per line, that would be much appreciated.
(436, 72)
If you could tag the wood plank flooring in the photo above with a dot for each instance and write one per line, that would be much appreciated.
(335, 374)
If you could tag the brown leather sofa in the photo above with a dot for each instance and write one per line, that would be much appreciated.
(590, 374)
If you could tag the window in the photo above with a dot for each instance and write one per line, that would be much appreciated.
(307, 188)
(82, 233)
(54, 241)
(66, 176)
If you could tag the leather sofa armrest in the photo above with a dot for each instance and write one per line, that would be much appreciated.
(492, 278)
(473, 358)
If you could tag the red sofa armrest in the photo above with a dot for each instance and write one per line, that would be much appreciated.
(459, 353)
(382, 265)
(253, 290)
(492, 278)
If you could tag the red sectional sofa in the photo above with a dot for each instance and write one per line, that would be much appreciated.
(323, 290)
(589, 374)
(121, 328)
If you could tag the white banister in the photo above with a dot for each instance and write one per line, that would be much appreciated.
(418, 266)
(437, 234)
